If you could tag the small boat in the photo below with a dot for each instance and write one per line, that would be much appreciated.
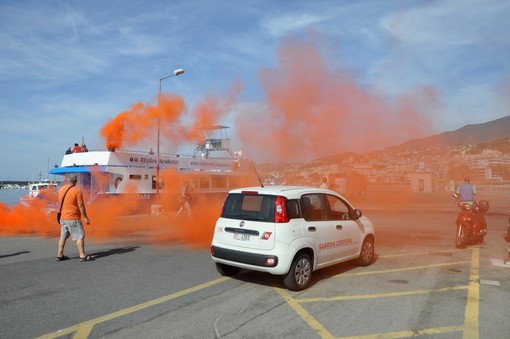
(41, 190)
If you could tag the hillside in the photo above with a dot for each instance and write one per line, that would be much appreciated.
(493, 134)
(468, 135)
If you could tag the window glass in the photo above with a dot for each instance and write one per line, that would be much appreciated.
(249, 207)
(161, 185)
(338, 210)
(311, 207)
(293, 209)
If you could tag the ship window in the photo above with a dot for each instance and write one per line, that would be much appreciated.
(135, 177)
(154, 182)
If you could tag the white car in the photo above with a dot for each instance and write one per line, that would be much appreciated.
(290, 231)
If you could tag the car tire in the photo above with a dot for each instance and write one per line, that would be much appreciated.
(366, 257)
(227, 270)
(300, 273)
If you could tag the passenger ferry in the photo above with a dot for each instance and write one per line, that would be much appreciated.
(213, 169)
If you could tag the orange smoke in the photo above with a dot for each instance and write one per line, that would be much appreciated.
(313, 111)
(140, 122)
(31, 220)
(124, 217)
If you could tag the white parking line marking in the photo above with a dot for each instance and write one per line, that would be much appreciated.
(500, 263)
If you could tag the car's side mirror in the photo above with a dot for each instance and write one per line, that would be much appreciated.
(357, 214)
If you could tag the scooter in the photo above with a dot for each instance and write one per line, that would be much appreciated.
(471, 223)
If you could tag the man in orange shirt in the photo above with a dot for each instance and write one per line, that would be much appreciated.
(73, 208)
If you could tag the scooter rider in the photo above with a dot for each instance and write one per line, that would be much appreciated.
(466, 192)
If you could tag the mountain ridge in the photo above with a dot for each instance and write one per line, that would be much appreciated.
(471, 134)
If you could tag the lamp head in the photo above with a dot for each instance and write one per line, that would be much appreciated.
(178, 71)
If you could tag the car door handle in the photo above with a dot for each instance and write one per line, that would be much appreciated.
(339, 227)
(312, 229)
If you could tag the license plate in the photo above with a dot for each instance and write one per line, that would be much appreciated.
(241, 237)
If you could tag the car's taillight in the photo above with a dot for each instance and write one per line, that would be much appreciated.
(280, 210)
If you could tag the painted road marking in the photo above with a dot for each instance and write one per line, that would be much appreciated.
(83, 329)
(490, 282)
(473, 298)
(381, 295)
(307, 317)
(341, 275)
(469, 328)
(500, 263)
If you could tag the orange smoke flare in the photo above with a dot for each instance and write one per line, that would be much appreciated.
(140, 122)
(313, 111)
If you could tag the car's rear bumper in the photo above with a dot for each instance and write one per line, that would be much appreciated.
(244, 258)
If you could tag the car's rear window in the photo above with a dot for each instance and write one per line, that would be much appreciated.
(249, 207)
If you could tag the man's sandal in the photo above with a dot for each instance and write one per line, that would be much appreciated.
(62, 258)
(87, 258)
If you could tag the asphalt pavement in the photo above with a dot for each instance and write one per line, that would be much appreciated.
(420, 285)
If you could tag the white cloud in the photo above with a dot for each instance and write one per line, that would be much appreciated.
(280, 25)
(452, 22)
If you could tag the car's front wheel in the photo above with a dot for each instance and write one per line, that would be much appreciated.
(227, 270)
(300, 273)
(366, 257)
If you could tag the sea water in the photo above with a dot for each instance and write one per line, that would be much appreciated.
(10, 196)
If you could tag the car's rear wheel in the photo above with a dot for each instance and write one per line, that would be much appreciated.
(227, 270)
(300, 273)
(366, 257)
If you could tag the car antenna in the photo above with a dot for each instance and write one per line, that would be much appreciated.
(257, 173)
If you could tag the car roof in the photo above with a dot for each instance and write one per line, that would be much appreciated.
(291, 192)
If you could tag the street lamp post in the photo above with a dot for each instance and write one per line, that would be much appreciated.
(175, 73)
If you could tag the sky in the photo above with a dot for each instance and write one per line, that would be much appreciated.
(295, 80)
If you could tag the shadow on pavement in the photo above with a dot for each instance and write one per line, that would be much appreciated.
(13, 254)
(113, 251)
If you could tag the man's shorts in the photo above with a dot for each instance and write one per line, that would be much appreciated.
(73, 228)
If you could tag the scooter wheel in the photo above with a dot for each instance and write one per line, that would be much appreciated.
(461, 238)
